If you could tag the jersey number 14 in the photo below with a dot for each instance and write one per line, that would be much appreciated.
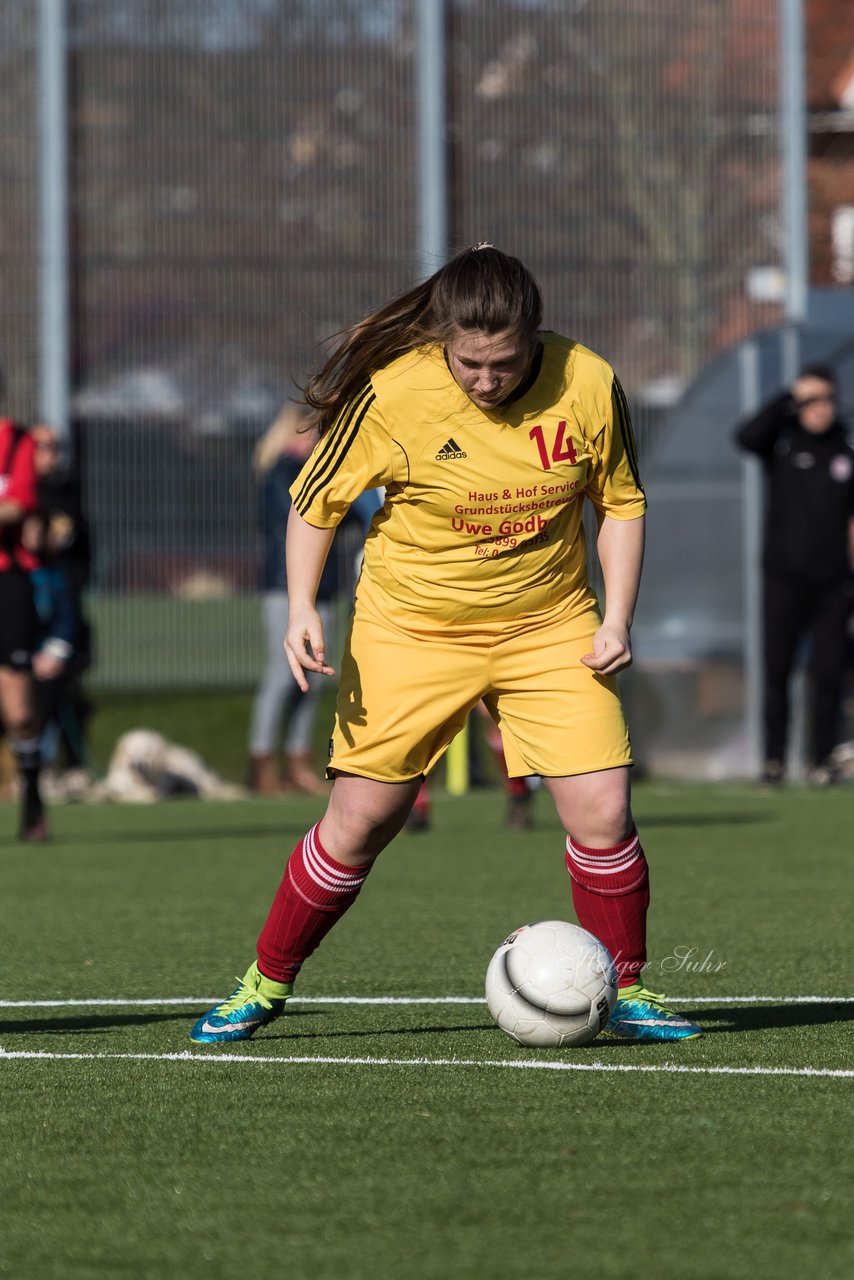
(563, 450)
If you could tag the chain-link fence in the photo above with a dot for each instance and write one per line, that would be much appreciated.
(244, 180)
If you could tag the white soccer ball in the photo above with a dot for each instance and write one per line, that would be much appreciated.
(551, 984)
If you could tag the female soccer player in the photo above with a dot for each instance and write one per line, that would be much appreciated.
(487, 435)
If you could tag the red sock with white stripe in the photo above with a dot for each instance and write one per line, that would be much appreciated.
(610, 893)
(314, 893)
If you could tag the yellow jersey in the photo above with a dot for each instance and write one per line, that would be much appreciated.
(482, 513)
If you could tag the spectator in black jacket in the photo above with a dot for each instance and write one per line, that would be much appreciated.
(67, 551)
(807, 560)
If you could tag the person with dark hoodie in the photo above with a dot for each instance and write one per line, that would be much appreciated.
(807, 560)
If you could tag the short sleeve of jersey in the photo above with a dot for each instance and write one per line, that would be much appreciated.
(357, 453)
(615, 487)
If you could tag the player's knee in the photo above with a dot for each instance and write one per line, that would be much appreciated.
(361, 821)
(352, 840)
(595, 809)
(607, 824)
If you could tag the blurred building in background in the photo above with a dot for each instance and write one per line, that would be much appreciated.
(247, 176)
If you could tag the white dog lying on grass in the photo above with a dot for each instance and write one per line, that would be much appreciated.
(145, 767)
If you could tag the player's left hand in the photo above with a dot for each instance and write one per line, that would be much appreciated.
(612, 651)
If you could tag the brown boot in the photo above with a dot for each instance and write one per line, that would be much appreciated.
(8, 773)
(299, 770)
(263, 775)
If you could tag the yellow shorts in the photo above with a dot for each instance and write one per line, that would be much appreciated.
(405, 694)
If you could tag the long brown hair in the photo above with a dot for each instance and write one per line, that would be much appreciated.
(481, 288)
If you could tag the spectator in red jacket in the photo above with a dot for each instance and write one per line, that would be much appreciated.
(19, 622)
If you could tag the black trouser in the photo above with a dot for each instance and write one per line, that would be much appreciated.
(63, 702)
(793, 610)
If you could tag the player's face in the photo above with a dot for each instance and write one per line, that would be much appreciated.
(816, 401)
(489, 366)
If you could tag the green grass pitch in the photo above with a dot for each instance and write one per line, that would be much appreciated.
(415, 1140)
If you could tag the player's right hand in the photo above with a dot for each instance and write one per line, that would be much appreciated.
(305, 647)
(612, 651)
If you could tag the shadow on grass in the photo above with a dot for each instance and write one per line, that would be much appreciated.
(721, 818)
(90, 1025)
(714, 1021)
(374, 1033)
(101, 1023)
(768, 1017)
(122, 836)
(294, 828)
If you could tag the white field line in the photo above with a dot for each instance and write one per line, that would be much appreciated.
(232, 1059)
(405, 1000)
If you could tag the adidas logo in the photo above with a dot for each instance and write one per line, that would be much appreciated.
(450, 451)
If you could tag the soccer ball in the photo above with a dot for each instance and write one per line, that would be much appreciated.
(551, 984)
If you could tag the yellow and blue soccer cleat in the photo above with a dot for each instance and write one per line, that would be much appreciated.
(641, 1015)
(255, 1001)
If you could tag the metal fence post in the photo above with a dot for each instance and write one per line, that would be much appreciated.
(53, 216)
(752, 524)
(432, 138)
(794, 158)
